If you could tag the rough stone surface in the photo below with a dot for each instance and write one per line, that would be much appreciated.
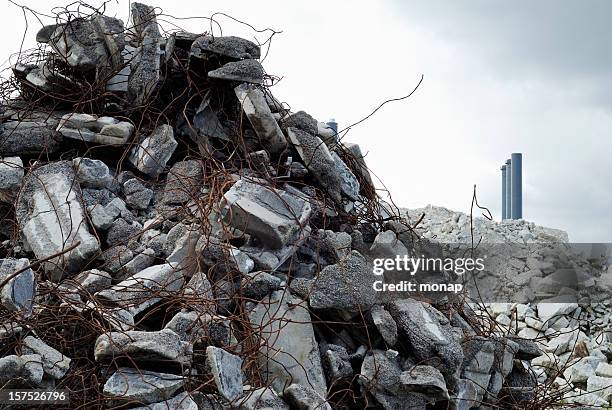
(91, 173)
(285, 325)
(183, 182)
(229, 46)
(226, 370)
(304, 398)
(145, 386)
(18, 293)
(257, 111)
(262, 399)
(99, 130)
(11, 176)
(27, 137)
(52, 218)
(273, 216)
(246, 71)
(153, 153)
(55, 364)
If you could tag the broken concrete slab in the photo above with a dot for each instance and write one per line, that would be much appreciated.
(286, 329)
(52, 218)
(17, 295)
(226, 371)
(144, 289)
(145, 71)
(145, 20)
(128, 384)
(153, 153)
(11, 175)
(429, 333)
(345, 286)
(300, 120)
(163, 345)
(257, 111)
(228, 46)
(328, 168)
(273, 216)
(246, 71)
(94, 129)
(55, 364)
(27, 137)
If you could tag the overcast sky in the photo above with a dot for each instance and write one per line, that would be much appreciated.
(500, 77)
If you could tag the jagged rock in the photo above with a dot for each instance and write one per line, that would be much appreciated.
(182, 401)
(27, 137)
(429, 333)
(91, 128)
(117, 257)
(145, 386)
(346, 286)
(479, 358)
(18, 293)
(273, 216)
(183, 182)
(103, 216)
(304, 398)
(52, 219)
(257, 285)
(262, 399)
(286, 329)
(301, 121)
(229, 46)
(194, 326)
(466, 395)
(90, 281)
(330, 170)
(359, 160)
(257, 111)
(380, 375)
(426, 381)
(15, 369)
(144, 289)
(600, 386)
(336, 362)
(82, 43)
(145, 71)
(604, 370)
(246, 71)
(580, 371)
(226, 370)
(385, 324)
(164, 345)
(91, 173)
(121, 232)
(153, 153)
(137, 196)
(55, 364)
(11, 175)
(140, 262)
(145, 20)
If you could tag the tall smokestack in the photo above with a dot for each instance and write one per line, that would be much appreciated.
(508, 189)
(517, 185)
(503, 211)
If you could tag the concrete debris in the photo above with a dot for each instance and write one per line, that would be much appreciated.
(229, 46)
(53, 220)
(153, 153)
(98, 130)
(54, 363)
(18, 293)
(128, 384)
(11, 176)
(164, 345)
(257, 111)
(274, 217)
(153, 190)
(284, 324)
(226, 370)
(244, 71)
(27, 137)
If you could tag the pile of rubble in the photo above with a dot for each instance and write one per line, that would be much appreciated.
(175, 237)
(571, 325)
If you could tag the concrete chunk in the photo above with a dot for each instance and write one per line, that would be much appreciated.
(149, 387)
(18, 294)
(226, 370)
(289, 352)
(229, 46)
(153, 153)
(258, 112)
(11, 175)
(246, 71)
(274, 217)
(55, 364)
(52, 218)
(27, 137)
(94, 129)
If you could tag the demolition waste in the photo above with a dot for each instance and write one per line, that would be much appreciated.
(175, 237)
